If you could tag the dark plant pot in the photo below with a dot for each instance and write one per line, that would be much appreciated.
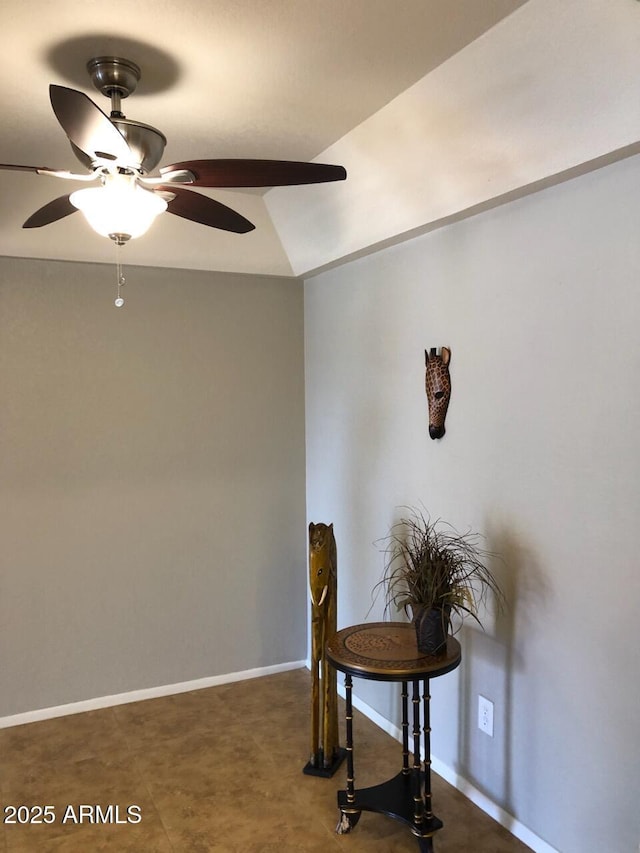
(432, 627)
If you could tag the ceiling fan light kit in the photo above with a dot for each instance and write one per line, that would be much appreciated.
(121, 153)
(119, 209)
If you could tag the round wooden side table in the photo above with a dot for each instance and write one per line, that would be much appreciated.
(387, 651)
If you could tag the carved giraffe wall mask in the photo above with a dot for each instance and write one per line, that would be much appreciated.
(438, 388)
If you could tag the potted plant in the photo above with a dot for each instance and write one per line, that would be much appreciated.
(434, 571)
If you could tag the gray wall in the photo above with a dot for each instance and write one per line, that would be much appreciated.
(540, 303)
(152, 525)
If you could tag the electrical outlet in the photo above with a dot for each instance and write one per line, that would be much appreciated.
(485, 715)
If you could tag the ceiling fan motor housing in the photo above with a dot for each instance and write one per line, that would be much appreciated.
(146, 144)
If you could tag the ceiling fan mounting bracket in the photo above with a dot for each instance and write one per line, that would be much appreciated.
(113, 75)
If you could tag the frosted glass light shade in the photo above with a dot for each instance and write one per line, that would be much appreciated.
(120, 207)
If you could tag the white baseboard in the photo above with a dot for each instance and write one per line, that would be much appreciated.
(522, 832)
(147, 693)
(465, 787)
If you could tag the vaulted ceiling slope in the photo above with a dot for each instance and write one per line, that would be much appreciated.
(437, 108)
(551, 91)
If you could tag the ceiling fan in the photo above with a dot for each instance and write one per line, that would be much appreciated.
(120, 154)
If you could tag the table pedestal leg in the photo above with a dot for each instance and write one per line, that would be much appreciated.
(405, 728)
(426, 722)
(418, 801)
(349, 815)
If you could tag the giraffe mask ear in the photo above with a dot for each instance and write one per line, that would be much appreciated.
(446, 355)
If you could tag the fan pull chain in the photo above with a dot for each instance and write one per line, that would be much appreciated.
(120, 279)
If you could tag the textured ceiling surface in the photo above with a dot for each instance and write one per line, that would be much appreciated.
(433, 106)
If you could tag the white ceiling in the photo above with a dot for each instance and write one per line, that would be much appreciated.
(435, 107)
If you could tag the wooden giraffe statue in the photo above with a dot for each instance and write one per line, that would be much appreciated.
(325, 754)
(438, 388)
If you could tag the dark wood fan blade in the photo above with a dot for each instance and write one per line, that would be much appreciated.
(13, 168)
(206, 211)
(56, 209)
(258, 173)
(86, 125)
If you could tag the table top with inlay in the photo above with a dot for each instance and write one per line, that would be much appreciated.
(388, 651)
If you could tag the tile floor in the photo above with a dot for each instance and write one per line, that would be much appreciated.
(212, 770)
